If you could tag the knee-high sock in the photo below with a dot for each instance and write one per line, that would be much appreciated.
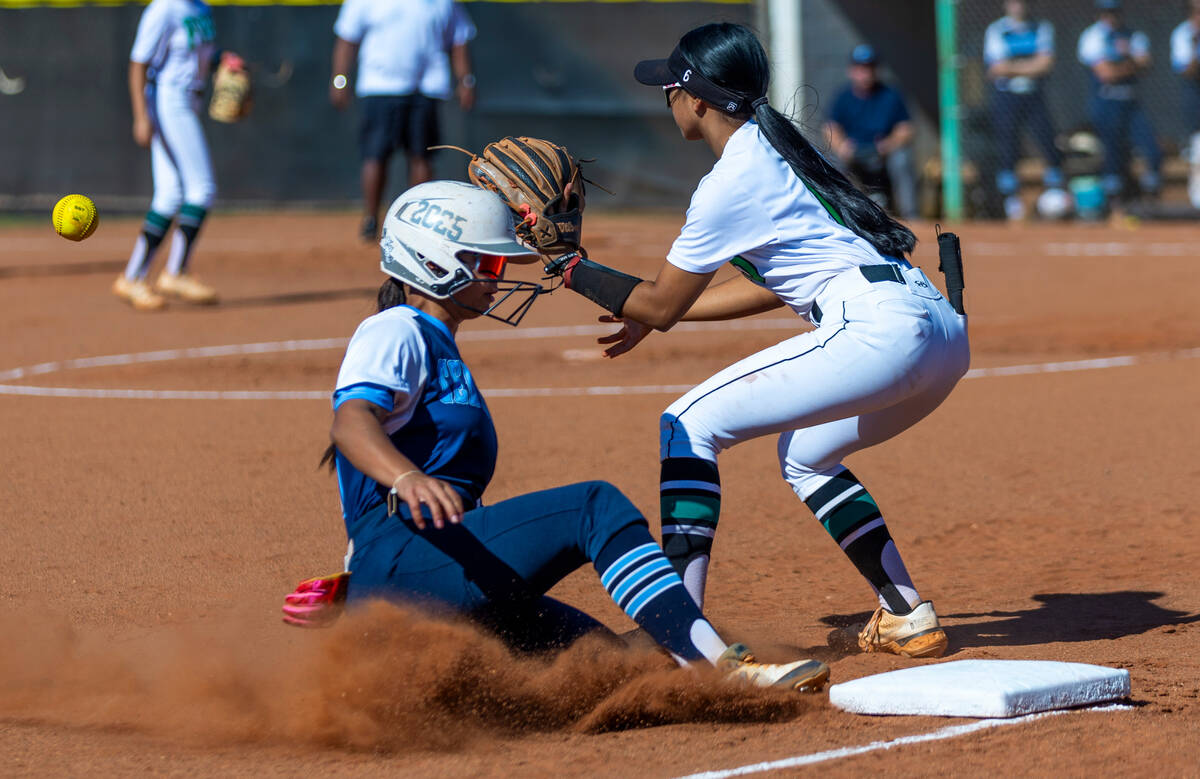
(690, 499)
(190, 219)
(850, 515)
(154, 227)
(641, 581)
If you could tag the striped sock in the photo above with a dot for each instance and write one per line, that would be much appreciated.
(154, 227)
(850, 515)
(190, 219)
(641, 581)
(690, 500)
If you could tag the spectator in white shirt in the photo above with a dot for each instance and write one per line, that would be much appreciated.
(411, 54)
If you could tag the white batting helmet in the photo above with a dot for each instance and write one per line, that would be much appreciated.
(432, 228)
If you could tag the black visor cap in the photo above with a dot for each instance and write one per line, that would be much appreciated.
(677, 70)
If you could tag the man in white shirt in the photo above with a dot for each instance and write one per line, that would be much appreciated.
(1185, 60)
(410, 54)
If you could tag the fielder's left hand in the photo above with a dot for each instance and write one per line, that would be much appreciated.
(630, 335)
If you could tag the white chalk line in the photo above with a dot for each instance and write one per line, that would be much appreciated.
(268, 347)
(952, 731)
(1085, 248)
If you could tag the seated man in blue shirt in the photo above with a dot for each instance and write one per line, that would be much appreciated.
(870, 131)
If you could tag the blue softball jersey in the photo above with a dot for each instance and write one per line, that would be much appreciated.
(407, 363)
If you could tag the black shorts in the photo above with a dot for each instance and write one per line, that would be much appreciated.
(391, 122)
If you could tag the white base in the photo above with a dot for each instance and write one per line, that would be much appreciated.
(981, 688)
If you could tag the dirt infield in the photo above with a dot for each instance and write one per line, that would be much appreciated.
(1049, 512)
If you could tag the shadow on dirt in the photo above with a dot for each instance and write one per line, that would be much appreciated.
(62, 269)
(289, 298)
(1068, 617)
(1059, 617)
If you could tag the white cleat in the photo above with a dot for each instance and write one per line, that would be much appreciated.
(803, 675)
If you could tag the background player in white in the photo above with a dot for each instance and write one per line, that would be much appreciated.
(406, 51)
(1019, 53)
(171, 59)
(1185, 60)
(409, 421)
(1116, 56)
(886, 352)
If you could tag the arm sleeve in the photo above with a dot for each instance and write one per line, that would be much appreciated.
(462, 29)
(384, 364)
(1139, 44)
(1045, 38)
(151, 29)
(351, 24)
(723, 221)
(994, 49)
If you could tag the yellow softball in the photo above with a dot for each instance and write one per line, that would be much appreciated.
(75, 217)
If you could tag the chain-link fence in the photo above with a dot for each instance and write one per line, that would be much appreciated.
(1044, 133)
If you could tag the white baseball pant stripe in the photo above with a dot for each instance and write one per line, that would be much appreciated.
(885, 355)
(179, 156)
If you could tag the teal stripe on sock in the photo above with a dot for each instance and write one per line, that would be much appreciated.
(697, 509)
(839, 521)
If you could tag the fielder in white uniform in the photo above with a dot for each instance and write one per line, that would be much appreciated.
(887, 349)
(169, 65)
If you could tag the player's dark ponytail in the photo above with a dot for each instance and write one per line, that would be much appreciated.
(731, 56)
(391, 294)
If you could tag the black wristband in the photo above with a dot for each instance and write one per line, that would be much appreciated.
(604, 286)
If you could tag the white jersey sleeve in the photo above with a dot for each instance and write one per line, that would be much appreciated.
(153, 33)
(1139, 44)
(1091, 45)
(461, 29)
(723, 221)
(351, 23)
(994, 48)
(1183, 47)
(386, 355)
(1045, 38)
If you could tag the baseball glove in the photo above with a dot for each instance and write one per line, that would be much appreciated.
(543, 185)
(231, 90)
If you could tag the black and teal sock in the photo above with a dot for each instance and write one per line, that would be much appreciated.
(188, 227)
(641, 581)
(690, 500)
(154, 228)
(850, 515)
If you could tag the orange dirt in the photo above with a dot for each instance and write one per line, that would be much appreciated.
(148, 543)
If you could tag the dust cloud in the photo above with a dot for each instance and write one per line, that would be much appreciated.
(383, 679)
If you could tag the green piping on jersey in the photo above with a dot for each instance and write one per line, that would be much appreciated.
(832, 212)
(748, 270)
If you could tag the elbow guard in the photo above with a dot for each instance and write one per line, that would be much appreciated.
(604, 286)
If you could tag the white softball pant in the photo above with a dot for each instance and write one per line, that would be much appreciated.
(885, 355)
(178, 152)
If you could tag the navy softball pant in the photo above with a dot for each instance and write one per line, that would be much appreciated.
(1120, 124)
(497, 565)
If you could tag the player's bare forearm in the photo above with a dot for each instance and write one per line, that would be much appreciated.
(1034, 67)
(358, 434)
(900, 136)
(460, 63)
(137, 89)
(732, 299)
(344, 54)
(663, 302)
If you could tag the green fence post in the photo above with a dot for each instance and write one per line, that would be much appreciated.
(952, 188)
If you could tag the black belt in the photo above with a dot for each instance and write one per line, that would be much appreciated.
(873, 274)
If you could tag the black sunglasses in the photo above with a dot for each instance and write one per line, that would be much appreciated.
(669, 91)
